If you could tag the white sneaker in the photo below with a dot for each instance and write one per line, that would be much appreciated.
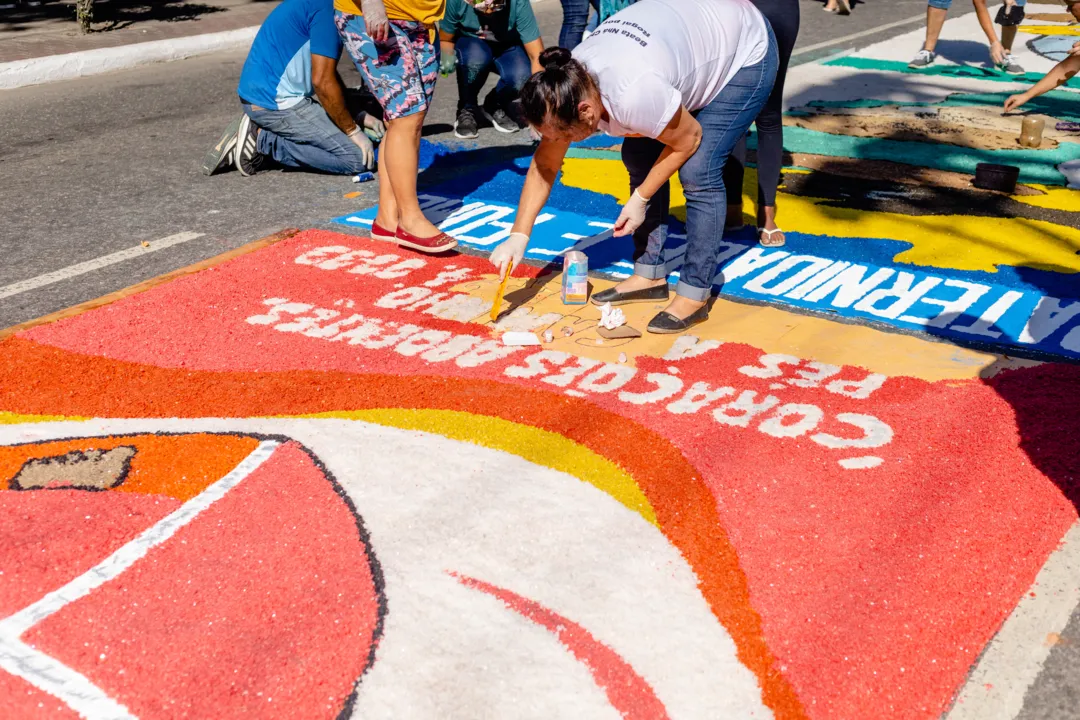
(1010, 66)
(924, 58)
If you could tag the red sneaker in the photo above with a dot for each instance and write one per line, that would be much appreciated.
(378, 232)
(437, 244)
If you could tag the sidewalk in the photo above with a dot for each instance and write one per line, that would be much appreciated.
(43, 44)
(50, 29)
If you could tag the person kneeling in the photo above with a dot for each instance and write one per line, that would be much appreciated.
(478, 36)
(293, 61)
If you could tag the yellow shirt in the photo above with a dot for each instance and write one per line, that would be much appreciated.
(426, 11)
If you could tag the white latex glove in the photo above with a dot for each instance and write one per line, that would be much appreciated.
(509, 252)
(375, 20)
(366, 148)
(373, 126)
(997, 52)
(631, 217)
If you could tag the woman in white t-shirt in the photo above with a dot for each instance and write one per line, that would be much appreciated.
(681, 80)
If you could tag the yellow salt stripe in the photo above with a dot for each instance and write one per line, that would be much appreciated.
(540, 447)
(1051, 29)
(770, 329)
(10, 418)
(1056, 198)
(959, 242)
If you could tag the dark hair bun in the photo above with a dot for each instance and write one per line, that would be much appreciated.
(555, 57)
(555, 93)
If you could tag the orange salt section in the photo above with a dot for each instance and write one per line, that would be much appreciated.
(180, 466)
(684, 507)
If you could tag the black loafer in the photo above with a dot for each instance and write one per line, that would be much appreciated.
(667, 324)
(613, 296)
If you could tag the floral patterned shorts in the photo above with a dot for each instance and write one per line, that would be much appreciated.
(400, 72)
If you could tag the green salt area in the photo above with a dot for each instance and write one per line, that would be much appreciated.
(1036, 166)
(960, 71)
(1056, 103)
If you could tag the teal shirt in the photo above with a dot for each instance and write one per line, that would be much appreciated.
(515, 24)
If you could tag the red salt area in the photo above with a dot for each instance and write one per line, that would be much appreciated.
(876, 588)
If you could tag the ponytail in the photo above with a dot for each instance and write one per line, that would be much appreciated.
(557, 90)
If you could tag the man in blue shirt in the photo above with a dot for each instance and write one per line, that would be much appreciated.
(292, 61)
(478, 36)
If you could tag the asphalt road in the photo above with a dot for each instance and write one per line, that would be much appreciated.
(98, 165)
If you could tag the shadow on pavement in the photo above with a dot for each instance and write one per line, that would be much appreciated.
(108, 15)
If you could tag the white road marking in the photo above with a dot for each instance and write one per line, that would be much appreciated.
(90, 265)
(52, 676)
(1012, 661)
(855, 36)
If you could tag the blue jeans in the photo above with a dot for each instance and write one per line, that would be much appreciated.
(723, 122)
(944, 4)
(304, 136)
(575, 16)
(476, 58)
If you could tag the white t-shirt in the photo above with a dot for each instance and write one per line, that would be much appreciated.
(656, 55)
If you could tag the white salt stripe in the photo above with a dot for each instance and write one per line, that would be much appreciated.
(1014, 658)
(90, 265)
(15, 625)
(52, 676)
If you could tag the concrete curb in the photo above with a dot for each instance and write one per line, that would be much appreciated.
(34, 71)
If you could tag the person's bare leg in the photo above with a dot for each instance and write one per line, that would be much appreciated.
(683, 308)
(400, 159)
(734, 216)
(1008, 35)
(636, 282)
(935, 20)
(767, 217)
(387, 215)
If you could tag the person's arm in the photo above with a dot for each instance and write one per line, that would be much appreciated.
(544, 168)
(533, 50)
(1058, 76)
(447, 56)
(682, 136)
(997, 50)
(330, 92)
(529, 32)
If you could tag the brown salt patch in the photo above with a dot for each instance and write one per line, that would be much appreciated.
(89, 470)
(1051, 17)
(927, 130)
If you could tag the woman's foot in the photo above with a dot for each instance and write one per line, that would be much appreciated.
(421, 235)
(771, 238)
(682, 314)
(383, 229)
(633, 289)
(844, 7)
(636, 282)
(769, 233)
(830, 6)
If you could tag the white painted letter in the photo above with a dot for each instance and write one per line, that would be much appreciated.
(743, 409)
